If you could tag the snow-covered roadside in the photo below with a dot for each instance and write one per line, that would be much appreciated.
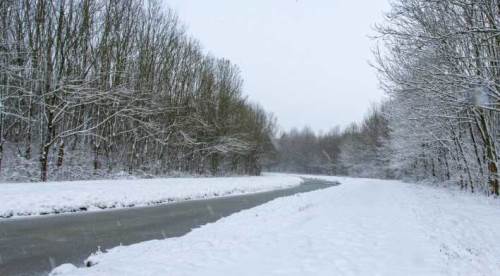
(27, 199)
(362, 227)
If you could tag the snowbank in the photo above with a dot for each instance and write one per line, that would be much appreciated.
(363, 227)
(26, 199)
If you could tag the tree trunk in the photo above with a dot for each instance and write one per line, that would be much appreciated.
(1, 154)
(44, 163)
(96, 162)
(60, 155)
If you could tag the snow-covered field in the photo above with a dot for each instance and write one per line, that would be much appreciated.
(27, 199)
(362, 227)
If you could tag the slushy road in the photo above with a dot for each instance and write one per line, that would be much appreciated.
(34, 246)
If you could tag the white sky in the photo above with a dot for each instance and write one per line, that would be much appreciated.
(304, 60)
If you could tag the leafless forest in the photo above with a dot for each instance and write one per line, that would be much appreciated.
(439, 62)
(91, 87)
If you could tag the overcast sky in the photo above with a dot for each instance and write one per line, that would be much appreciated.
(304, 60)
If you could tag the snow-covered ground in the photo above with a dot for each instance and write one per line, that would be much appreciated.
(362, 227)
(26, 199)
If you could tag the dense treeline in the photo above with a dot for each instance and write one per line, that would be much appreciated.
(118, 85)
(359, 150)
(303, 151)
(441, 68)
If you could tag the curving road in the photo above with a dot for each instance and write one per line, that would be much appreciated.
(33, 246)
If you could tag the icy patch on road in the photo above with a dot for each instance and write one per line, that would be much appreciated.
(28, 199)
(362, 227)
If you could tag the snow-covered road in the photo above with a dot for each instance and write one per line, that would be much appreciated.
(363, 227)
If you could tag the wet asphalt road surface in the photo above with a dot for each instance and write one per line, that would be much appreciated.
(34, 246)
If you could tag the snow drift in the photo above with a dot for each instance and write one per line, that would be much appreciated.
(27, 199)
